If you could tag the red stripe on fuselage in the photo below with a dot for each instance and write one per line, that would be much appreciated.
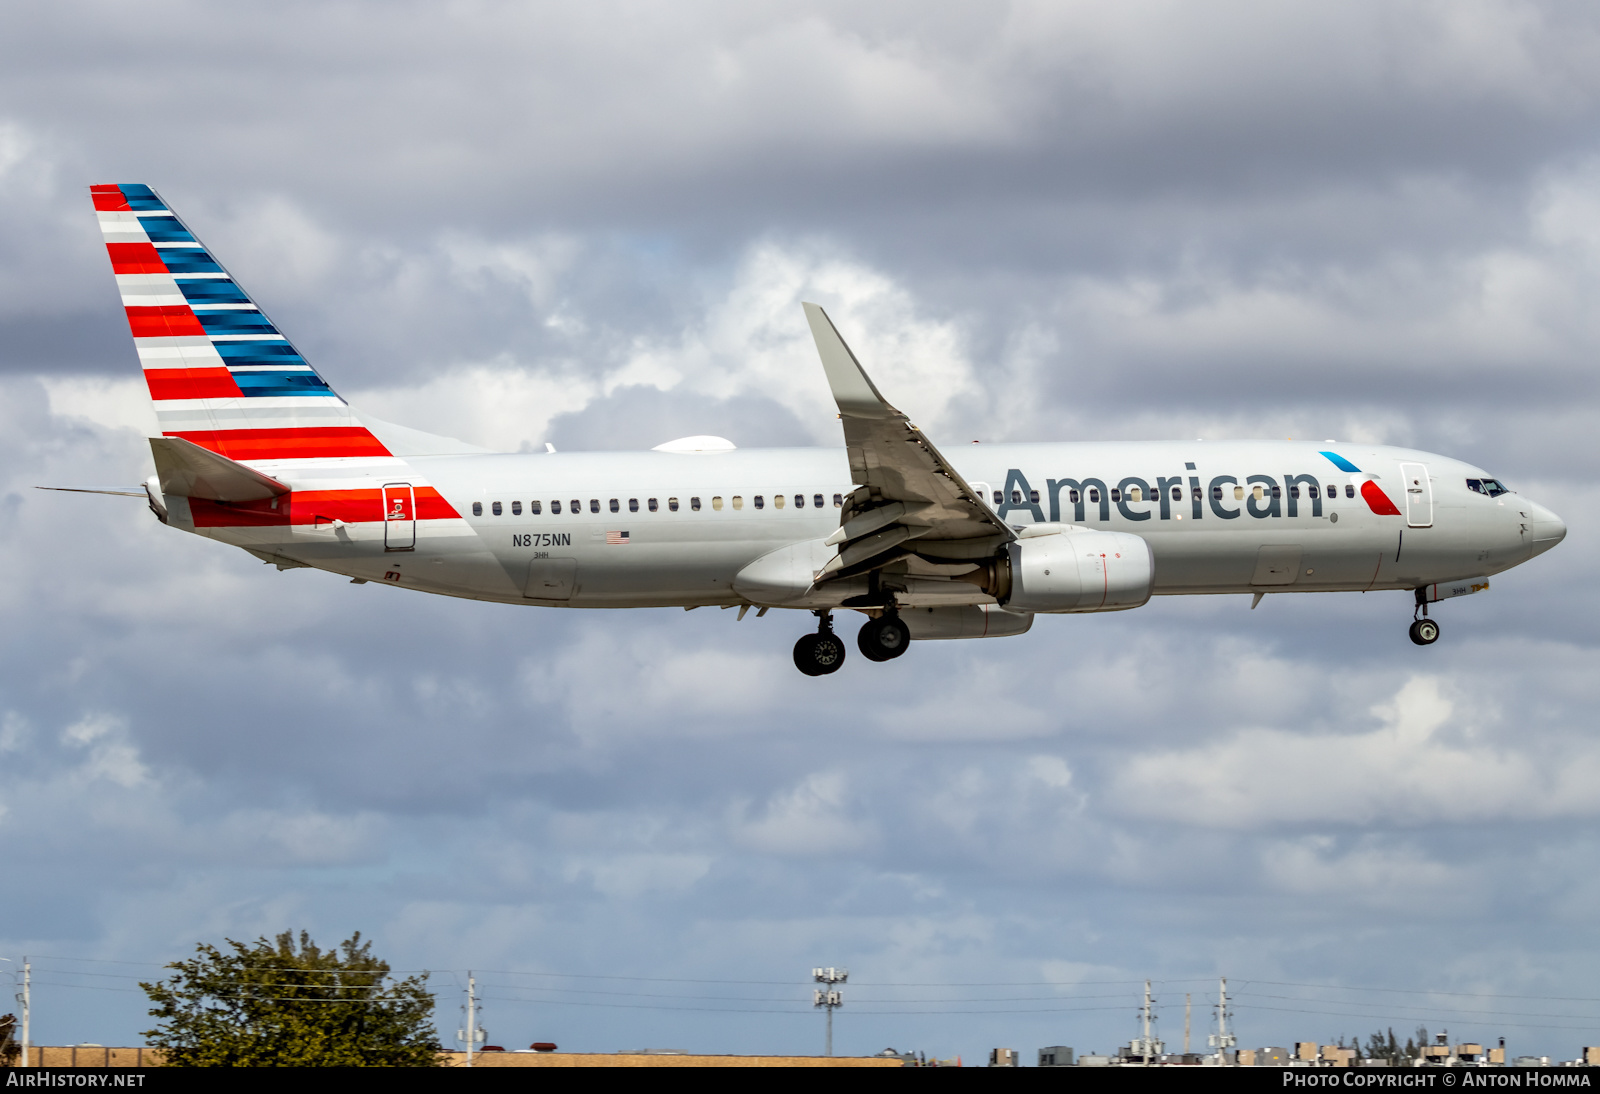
(132, 258)
(288, 444)
(192, 383)
(313, 507)
(166, 321)
(1377, 500)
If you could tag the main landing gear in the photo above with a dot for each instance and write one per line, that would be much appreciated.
(821, 653)
(883, 638)
(880, 639)
(1424, 631)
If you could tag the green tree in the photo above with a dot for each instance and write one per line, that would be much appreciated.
(279, 1005)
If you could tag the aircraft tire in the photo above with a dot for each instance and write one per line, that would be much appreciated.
(1424, 632)
(883, 639)
(819, 654)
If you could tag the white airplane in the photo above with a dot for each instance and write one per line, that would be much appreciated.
(256, 450)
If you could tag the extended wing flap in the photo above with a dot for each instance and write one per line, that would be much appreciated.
(187, 470)
(893, 462)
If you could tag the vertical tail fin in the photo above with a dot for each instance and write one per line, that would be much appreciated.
(220, 374)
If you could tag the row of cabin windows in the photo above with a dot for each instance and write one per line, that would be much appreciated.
(1136, 493)
(575, 506)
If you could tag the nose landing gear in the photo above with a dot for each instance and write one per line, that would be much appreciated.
(1424, 631)
(883, 638)
(821, 653)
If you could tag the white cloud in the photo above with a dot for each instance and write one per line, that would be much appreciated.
(810, 820)
(1428, 763)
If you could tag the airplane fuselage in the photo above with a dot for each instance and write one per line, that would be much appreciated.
(654, 529)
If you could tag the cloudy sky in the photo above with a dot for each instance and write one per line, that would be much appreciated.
(592, 225)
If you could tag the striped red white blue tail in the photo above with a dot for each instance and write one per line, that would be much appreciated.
(220, 374)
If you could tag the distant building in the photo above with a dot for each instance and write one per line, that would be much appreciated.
(1055, 1056)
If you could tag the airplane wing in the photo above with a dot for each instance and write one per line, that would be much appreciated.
(910, 501)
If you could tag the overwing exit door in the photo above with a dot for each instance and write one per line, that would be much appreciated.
(1419, 495)
(399, 517)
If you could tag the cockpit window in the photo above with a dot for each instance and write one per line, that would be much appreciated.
(1490, 487)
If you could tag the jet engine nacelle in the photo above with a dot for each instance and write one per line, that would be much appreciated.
(1065, 568)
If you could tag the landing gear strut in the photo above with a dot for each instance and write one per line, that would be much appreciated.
(883, 638)
(821, 653)
(1424, 631)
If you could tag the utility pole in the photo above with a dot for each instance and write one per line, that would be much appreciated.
(1223, 1040)
(1147, 1047)
(27, 1005)
(1186, 1023)
(829, 997)
(472, 1034)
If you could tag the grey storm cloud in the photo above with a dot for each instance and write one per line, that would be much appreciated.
(592, 225)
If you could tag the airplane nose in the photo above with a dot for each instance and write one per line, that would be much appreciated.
(1547, 529)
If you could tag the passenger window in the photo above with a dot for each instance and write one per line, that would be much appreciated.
(653, 506)
(1177, 493)
(1072, 496)
(1033, 496)
(1238, 493)
(672, 505)
(633, 505)
(694, 504)
(1135, 493)
(777, 501)
(615, 508)
(495, 509)
(838, 501)
(799, 501)
(533, 507)
(516, 508)
(1277, 491)
(1294, 491)
(1216, 493)
(738, 501)
(577, 507)
(1016, 497)
(999, 498)
(477, 508)
(1116, 494)
(1094, 495)
(817, 501)
(1312, 490)
(555, 508)
(759, 502)
(594, 505)
(716, 501)
(1349, 491)
(1198, 495)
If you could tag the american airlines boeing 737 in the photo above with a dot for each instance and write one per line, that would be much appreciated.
(256, 450)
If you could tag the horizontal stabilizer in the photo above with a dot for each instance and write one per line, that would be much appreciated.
(189, 471)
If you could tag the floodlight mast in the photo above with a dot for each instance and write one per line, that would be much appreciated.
(830, 997)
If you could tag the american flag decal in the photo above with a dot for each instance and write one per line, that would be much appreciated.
(617, 538)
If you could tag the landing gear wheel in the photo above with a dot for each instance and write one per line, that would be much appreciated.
(1424, 632)
(883, 639)
(819, 654)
